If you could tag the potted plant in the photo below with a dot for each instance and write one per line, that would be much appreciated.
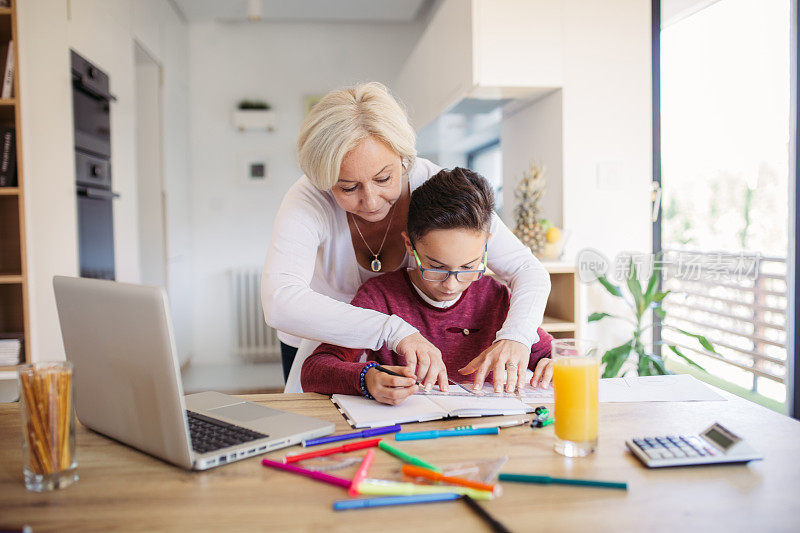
(640, 300)
(254, 115)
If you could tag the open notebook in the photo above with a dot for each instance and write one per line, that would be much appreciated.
(363, 413)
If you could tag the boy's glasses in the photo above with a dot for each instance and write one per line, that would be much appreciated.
(462, 276)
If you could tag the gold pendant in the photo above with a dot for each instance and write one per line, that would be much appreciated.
(376, 264)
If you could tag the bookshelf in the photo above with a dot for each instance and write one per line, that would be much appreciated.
(13, 272)
(562, 312)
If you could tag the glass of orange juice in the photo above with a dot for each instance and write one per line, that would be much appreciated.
(576, 376)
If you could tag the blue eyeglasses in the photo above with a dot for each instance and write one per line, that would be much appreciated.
(462, 276)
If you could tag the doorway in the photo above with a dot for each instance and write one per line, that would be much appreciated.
(149, 170)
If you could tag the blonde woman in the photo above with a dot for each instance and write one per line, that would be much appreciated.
(340, 224)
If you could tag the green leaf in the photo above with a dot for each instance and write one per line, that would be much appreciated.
(651, 287)
(658, 363)
(610, 287)
(594, 317)
(615, 358)
(660, 296)
(636, 289)
(660, 312)
(643, 365)
(685, 357)
(703, 341)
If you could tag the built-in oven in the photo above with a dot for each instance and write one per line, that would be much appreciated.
(91, 105)
(92, 119)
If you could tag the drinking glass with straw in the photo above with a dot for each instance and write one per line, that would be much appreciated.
(48, 425)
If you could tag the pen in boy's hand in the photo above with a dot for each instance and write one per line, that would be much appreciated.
(379, 368)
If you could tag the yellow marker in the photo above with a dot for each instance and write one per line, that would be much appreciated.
(394, 488)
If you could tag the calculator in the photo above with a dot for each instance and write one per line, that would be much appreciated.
(717, 444)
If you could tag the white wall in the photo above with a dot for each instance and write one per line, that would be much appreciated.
(104, 33)
(279, 63)
(600, 118)
(607, 118)
(534, 134)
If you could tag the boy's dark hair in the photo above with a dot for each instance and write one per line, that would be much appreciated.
(457, 198)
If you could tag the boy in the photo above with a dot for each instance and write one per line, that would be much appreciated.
(446, 297)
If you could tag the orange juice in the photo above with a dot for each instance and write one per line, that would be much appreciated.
(575, 384)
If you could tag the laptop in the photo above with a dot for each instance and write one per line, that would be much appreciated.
(127, 382)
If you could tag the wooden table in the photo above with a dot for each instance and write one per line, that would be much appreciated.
(120, 488)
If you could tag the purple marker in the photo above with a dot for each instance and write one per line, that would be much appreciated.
(355, 435)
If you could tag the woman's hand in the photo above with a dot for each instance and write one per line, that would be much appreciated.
(391, 389)
(543, 375)
(424, 360)
(506, 359)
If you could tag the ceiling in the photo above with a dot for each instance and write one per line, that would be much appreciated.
(303, 10)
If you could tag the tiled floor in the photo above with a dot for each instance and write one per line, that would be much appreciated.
(233, 378)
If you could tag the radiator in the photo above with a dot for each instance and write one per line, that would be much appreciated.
(254, 341)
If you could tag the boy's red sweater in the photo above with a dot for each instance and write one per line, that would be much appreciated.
(461, 331)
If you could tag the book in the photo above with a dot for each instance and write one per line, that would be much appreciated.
(365, 413)
(8, 157)
(7, 90)
(3, 57)
(10, 351)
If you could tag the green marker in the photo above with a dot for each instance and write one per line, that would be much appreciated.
(528, 478)
(410, 459)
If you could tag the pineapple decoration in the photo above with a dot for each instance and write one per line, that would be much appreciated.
(529, 228)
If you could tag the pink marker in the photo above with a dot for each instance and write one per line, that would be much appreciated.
(361, 473)
(319, 476)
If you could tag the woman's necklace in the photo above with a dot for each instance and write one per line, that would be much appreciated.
(375, 265)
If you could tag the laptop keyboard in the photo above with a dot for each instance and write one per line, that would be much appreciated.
(209, 434)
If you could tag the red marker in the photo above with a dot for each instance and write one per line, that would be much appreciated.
(330, 451)
(361, 473)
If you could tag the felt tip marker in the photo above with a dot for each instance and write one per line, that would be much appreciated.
(410, 459)
(355, 435)
(436, 433)
(330, 451)
(394, 500)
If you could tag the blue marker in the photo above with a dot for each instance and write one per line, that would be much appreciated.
(342, 505)
(355, 435)
(436, 433)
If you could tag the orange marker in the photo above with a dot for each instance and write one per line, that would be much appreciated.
(361, 473)
(418, 471)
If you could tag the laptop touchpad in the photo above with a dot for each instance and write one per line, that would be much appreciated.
(244, 412)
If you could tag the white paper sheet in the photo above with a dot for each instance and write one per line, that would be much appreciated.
(670, 388)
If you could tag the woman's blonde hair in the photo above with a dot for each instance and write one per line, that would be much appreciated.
(345, 117)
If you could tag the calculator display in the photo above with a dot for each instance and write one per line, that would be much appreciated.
(719, 438)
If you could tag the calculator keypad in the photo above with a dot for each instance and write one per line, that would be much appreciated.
(674, 447)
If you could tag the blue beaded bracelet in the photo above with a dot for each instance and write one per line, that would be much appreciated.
(362, 380)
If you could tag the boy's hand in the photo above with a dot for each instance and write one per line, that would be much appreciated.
(506, 359)
(543, 375)
(391, 389)
(424, 360)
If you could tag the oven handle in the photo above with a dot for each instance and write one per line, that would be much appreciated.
(82, 84)
(101, 194)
